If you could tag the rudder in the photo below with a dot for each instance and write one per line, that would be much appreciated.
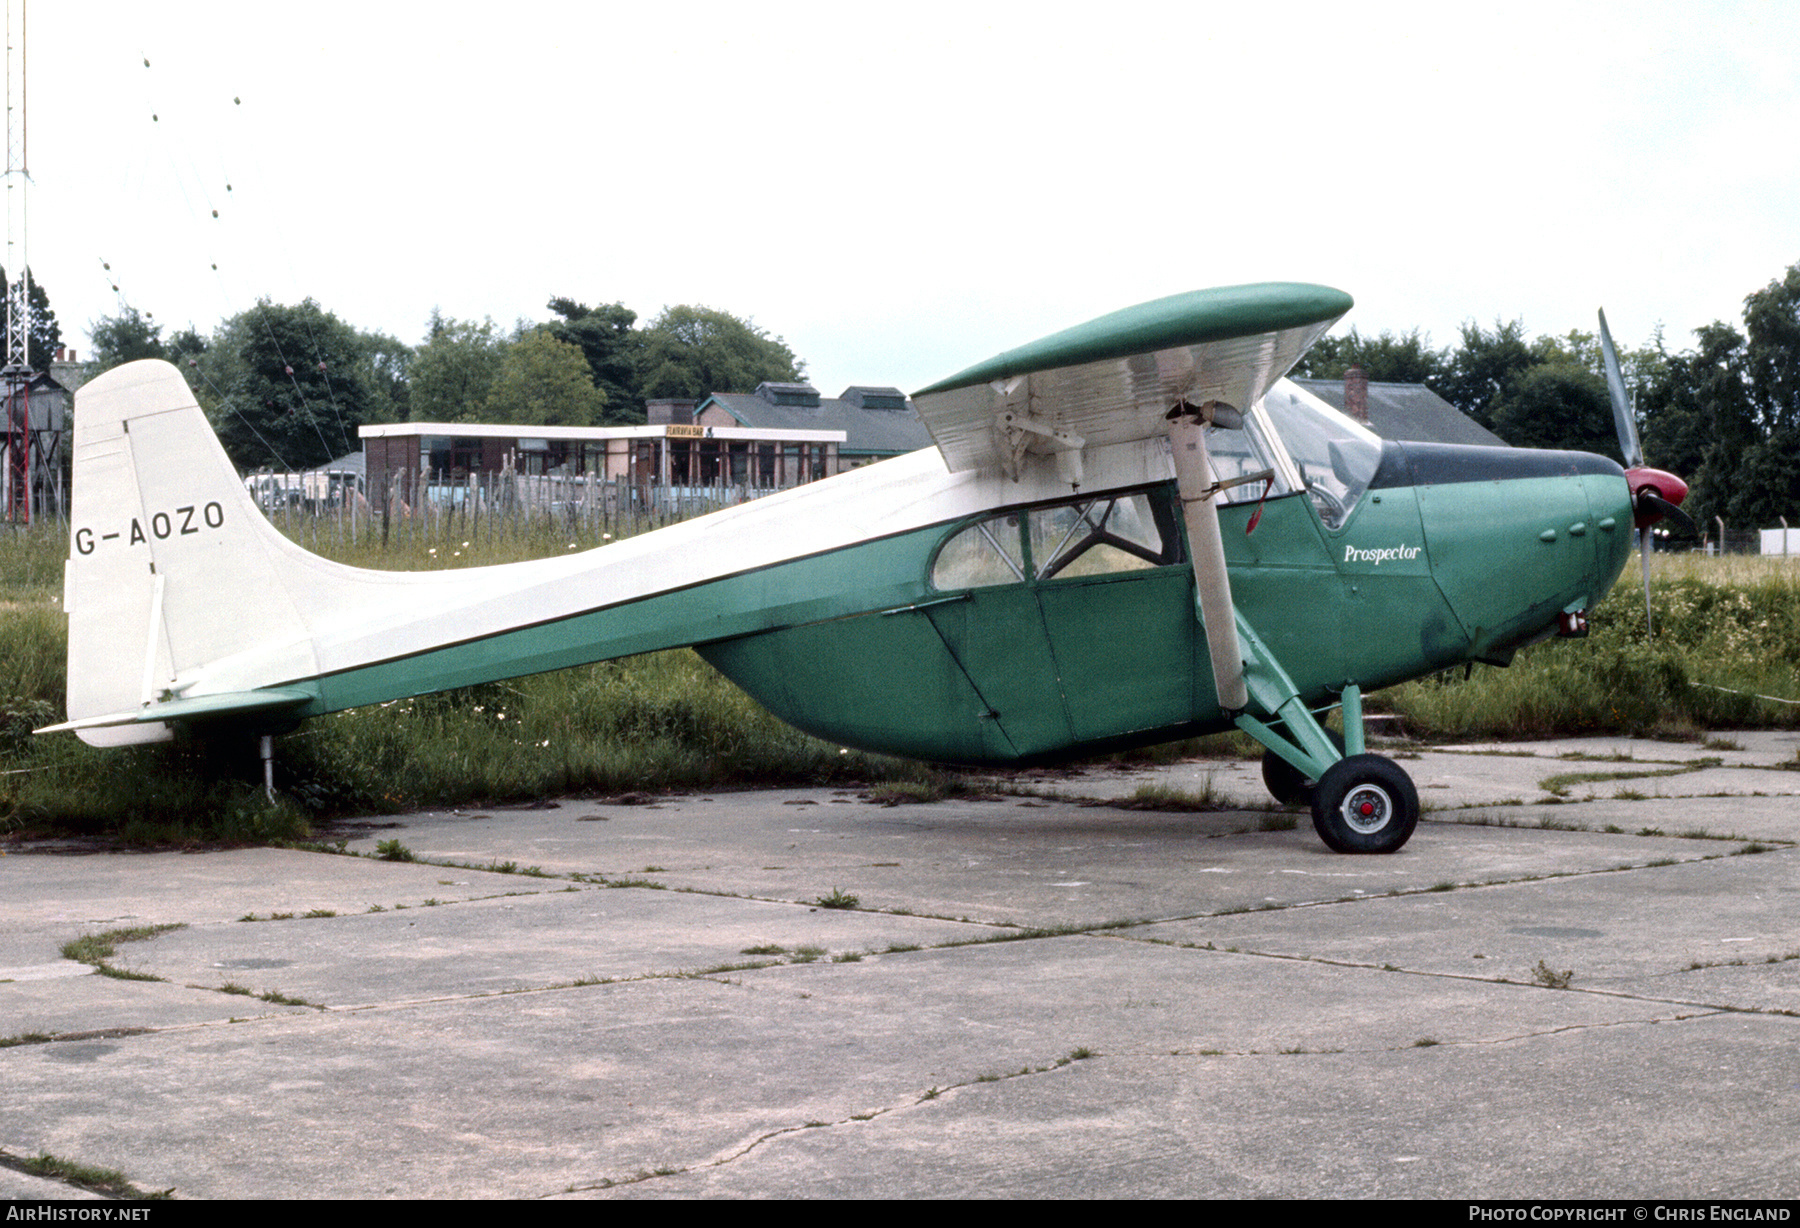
(171, 569)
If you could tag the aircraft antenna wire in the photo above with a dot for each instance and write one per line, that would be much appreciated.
(186, 167)
(274, 222)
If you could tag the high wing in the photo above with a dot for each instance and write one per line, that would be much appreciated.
(1160, 368)
(1116, 378)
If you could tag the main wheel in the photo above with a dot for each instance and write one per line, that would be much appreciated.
(1285, 782)
(1365, 804)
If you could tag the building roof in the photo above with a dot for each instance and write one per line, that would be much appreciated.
(1408, 412)
(870, 427)
(350, 462)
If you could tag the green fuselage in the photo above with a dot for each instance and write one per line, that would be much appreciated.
(1454, 554)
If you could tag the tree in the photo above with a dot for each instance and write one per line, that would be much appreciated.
(46, 333)
(288, 386)
(691, 351)
(1765, 485)
(1557, 405)
(1772, 328)
(1483, 366)
(185, 349)
(1699, 419)
(126, 337)
(452, 374)
(385, 367)
(544, 382)
(607, 340)
(1404, 358)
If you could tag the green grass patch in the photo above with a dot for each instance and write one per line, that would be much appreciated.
(1560, 783)
(667, 721)
(86, 1176)
(929, 786)
(1550, 978)
(393, 850)
(1718, 624)
(1157, 796)
(98, 949)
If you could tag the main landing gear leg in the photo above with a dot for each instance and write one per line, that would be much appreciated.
(1361, 803)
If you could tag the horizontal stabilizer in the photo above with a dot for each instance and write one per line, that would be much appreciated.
(200, 707)
(1115, 379)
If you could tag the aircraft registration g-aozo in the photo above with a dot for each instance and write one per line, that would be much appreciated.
(1132, 531)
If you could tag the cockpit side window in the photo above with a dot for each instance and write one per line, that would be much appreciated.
(1079, 537)
(1097, 537)
(986, 553)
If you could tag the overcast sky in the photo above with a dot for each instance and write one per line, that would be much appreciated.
(901, 191)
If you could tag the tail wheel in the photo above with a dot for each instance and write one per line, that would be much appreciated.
(1365, 804)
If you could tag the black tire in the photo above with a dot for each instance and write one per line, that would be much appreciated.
(1284, 781)
(1365, 804)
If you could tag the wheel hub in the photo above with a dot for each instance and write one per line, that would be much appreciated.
(1367, 808)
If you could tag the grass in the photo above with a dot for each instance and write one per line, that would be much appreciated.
(663, 721)
(929, 787)
(1560, 784)
(98, 949)
(1550, 978)
(86, 1176)
(393, 850)
(667, 721)
(1732, 623)
(1156, 796)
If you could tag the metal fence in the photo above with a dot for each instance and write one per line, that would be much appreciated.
(1734, 541)
(489, 506)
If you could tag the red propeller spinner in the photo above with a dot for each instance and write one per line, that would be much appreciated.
(1654, 495)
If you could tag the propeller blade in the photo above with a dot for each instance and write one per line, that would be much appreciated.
(1623, 421)
(1653, 506)
(1644, 555)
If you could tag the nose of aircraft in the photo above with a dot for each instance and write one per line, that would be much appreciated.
(1519, 537)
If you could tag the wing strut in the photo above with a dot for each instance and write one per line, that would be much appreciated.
(1246, 675)
(1194, 479)
(1361, 803)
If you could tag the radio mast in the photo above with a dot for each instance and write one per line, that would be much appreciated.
(17, 372)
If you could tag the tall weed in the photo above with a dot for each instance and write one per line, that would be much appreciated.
(1727, 632)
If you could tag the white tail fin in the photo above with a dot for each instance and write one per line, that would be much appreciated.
(171, 566)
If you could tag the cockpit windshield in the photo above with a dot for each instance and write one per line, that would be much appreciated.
(1335, 455)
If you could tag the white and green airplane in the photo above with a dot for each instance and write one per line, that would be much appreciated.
(1128, 532)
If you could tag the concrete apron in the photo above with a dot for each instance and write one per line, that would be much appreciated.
(1582, 988)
